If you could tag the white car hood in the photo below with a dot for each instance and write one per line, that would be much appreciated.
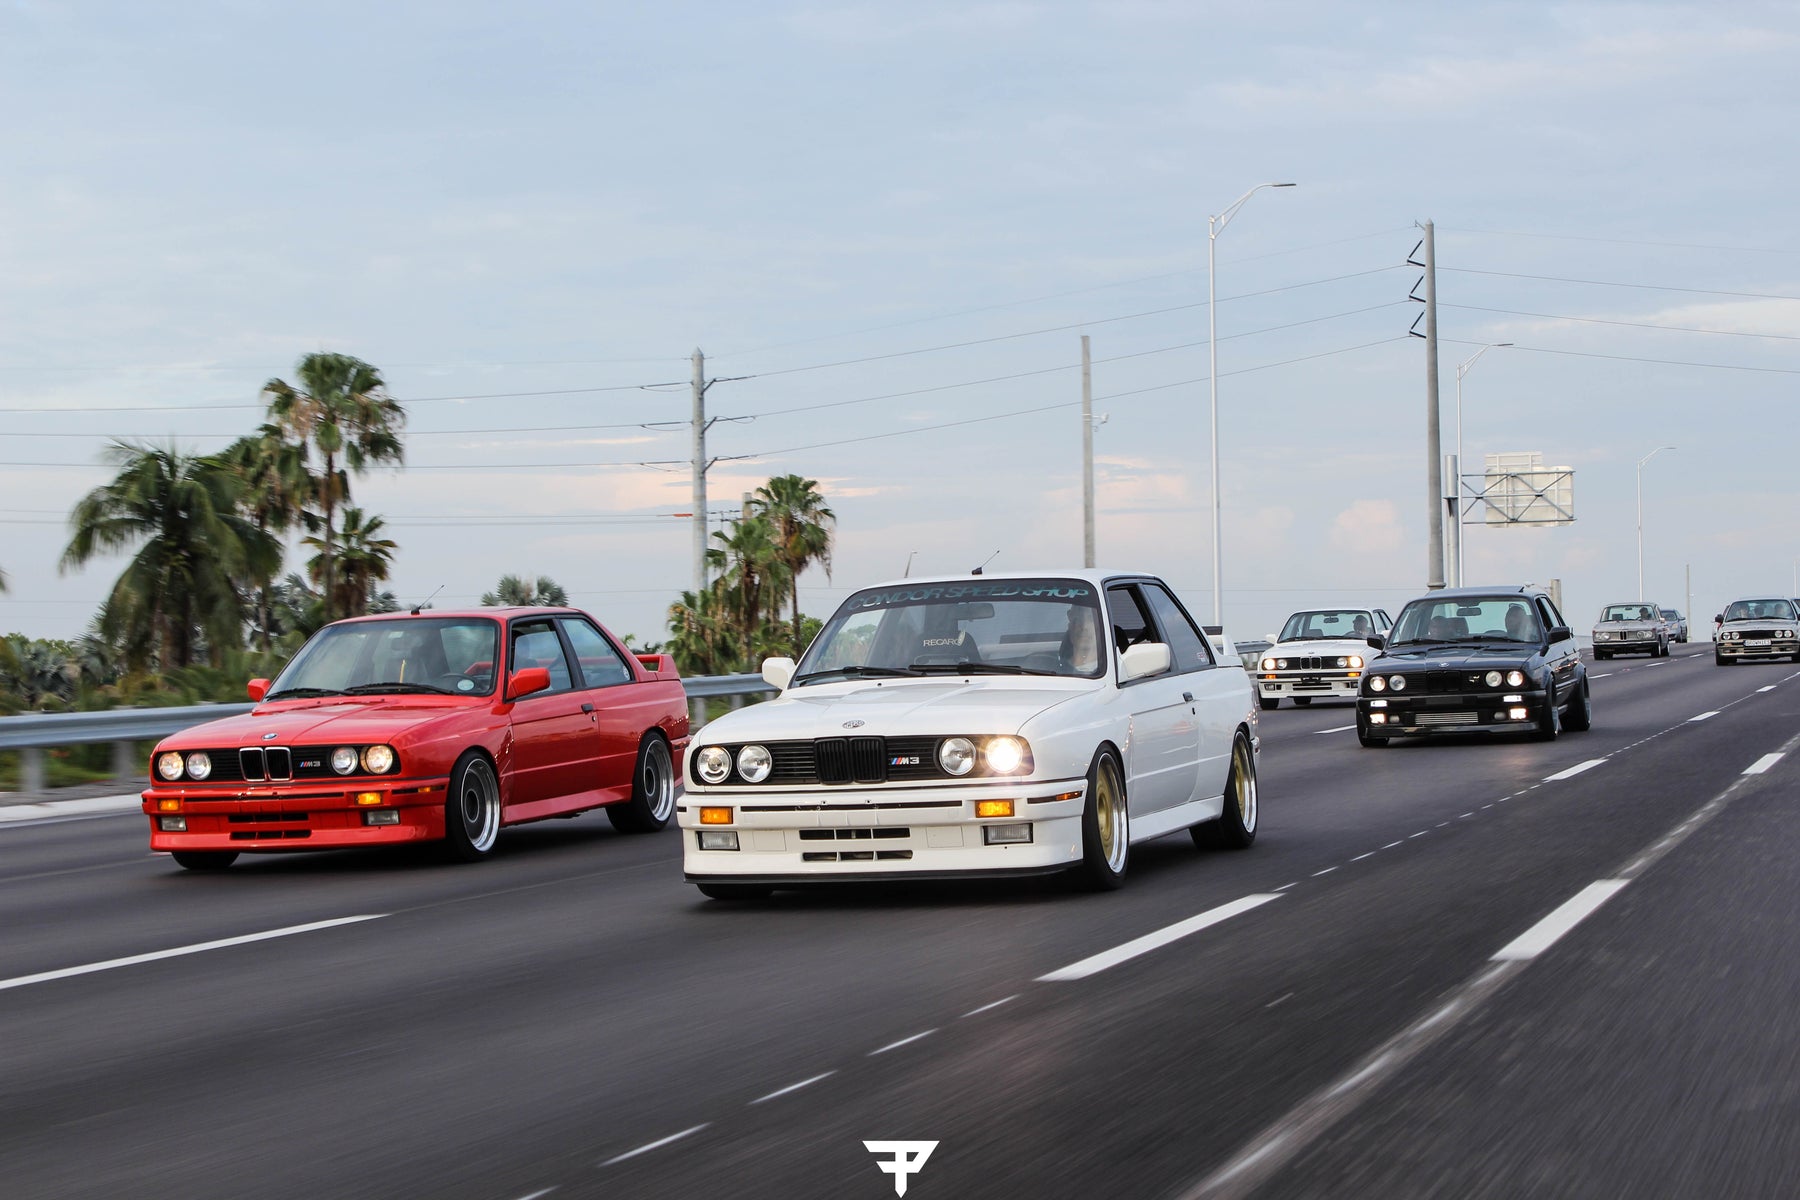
(897, 708)
(1323, 648)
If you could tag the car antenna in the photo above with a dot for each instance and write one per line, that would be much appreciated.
(990, 558)
(424, 604)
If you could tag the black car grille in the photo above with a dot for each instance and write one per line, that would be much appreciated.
(1441, 682)
(840, 761)
(272, 764)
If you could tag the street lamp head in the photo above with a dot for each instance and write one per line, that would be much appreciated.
(1284, 185)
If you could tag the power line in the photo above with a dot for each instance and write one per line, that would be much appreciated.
(1664, 362)
(234, 405)
(1649, 287)
(1785, 337)
(1570, 237)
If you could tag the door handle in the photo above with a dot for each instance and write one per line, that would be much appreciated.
(1188, 696)
(587, 708)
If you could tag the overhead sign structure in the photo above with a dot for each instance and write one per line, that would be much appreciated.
(1518, 489)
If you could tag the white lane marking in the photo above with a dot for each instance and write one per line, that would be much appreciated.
(1762, 764)
(1326, 871)
(1339, 729)
(1441, 824)
(1391, 845)
(1094, 964)
(1608, 675)
(1273, 1003)
(1770, 688)
(1703, 716)
(1648, 665)
(657, 1144)
(1568, 914)
(793, 1087)
(1575, 770)
(996, 1004)
(1360, 857)
(905, 1041)
(1284, 887)
(1421, 833)
(178, 951)
(1465, 816)
(535, 1195)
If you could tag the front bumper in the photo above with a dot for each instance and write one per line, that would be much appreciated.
(1635, 643)
(1277, 684)
(1471, 712)
(312, 815)
(1749, 648)
(859, 833)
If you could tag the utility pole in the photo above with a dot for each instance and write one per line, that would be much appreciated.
(700, 464)
(1434, 460)
(1087, 456)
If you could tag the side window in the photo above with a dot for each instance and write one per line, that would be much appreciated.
(1188, 650)
(1551, 616)
(599, 664)
(1383, 620)
(535, 644)
(1130, 623)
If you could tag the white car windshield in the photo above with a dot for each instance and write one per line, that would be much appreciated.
(451, 655)
(1629, 612)
(1352, 623)
(1471, 619)
(1759, 610)
(998, 627)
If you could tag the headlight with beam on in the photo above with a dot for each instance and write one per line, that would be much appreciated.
(1003, 755)
(378, 760)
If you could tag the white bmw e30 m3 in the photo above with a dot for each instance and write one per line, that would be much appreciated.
(977, 725)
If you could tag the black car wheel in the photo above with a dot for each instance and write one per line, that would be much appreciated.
(1268, 702)
(1580, 717)
(1366, 738)
(1550, 724)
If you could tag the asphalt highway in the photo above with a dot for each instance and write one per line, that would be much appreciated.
(1469, 968)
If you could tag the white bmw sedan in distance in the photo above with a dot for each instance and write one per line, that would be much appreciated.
(977, 725)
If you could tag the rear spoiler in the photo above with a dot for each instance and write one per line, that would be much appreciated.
(659, 666)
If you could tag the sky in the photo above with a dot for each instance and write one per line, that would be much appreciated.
(888, 226)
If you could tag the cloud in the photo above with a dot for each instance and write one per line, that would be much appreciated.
(1368, 527)
(870, 24)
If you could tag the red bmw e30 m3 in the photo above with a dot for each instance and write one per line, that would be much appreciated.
(438, 726)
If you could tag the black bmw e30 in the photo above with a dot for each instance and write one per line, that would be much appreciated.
(1474, 660)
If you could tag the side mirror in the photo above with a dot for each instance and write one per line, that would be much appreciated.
(1718, 618)
(1561, 633)
(1377, 641)
(258, 688)
(777, 672)
(1144, 660)
(525, 682)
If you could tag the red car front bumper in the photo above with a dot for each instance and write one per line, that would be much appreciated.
(266, 818)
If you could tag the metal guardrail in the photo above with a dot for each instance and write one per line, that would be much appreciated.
(32, 733)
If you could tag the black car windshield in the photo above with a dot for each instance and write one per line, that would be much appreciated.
(1002, 626)
(1759, 610)
(1468, 619)
(1353, 623)
(408, 655)
(1629, 612)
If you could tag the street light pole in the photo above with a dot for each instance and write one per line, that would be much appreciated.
(1214, 226)
(1640, 514)
(1456, 558)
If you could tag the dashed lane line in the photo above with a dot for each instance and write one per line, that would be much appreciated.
(974, 1012)
(1703, 716)
(1338, 729)
(179, 951)
(1094, 964)
(1762, 764)
(1566, 916)
(1575, 770)
(658, 1144)
(794, 1087)
(905, 1041)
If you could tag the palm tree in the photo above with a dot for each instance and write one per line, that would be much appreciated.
(749, 574)
(341, 410)
(363, 559)
(274, 487)
(178, 592)
(800, 532)
(515, 590)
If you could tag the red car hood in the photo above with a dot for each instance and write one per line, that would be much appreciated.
(338, 722)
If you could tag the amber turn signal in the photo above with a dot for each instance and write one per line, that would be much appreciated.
(993, 808)
(168, 806)
(367, 798)
(715, 816)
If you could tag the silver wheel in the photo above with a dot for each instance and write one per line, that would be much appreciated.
(1111, 819)
(656, 780)
(1243, 779)
(473, 810)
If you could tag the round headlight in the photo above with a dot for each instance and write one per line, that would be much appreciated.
(1281, 664)
(1268, 664)
(1343, 662)
(754, 763)
(1397, 682)
(956, 755)
(1003, 755)
(712, 764)
(378, 760)
(1492, 678)
(343, 759)
(1354, 662)
(199, 764)
(1515, 679)
(1377, 684)
(169, 765)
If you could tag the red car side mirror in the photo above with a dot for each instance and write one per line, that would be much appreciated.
(525, 682)
(258, 688)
